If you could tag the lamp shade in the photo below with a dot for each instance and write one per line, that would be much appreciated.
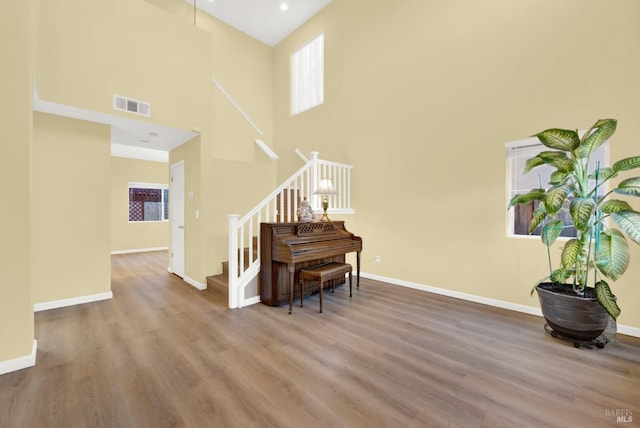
(325, 188)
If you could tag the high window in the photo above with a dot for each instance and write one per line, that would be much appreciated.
(148, 202)
(307, 76)
(520, 216)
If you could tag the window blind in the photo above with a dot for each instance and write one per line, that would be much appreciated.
(307, 76)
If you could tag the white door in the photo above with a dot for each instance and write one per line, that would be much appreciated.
(177, 218)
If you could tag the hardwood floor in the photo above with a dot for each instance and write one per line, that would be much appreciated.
(163, 354)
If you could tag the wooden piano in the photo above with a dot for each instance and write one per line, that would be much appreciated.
(285, 248)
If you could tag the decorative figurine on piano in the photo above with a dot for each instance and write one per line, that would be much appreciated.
(305, 213)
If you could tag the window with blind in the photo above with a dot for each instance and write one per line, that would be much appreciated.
(148, 202)
(520, 216)
(307, 76)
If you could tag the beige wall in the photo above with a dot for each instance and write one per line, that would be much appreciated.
(90, 50)
(420, 96)
(71, 217)
(127, 235)
(16, 309)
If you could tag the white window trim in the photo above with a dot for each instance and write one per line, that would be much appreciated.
(141, 185)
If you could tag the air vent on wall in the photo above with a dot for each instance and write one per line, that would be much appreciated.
(132, 106)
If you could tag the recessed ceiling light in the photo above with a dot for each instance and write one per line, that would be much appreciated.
(153, 134)
(284, 7)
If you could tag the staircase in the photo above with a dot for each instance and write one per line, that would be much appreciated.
(218, 285)
(280, 206)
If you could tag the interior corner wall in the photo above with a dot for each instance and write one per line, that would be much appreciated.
(126, 235)
(71, 218)
(16, 309)
(421, 96)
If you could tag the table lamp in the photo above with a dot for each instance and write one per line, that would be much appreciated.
(325, 188)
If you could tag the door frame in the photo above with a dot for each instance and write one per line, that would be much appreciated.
(172, 217)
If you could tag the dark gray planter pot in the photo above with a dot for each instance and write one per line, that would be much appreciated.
(575, 317)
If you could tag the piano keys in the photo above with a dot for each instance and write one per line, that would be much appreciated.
(286, 248)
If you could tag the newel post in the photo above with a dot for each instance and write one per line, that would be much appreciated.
(233, 260)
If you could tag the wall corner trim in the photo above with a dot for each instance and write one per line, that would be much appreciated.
(44, 306)
(20, 362)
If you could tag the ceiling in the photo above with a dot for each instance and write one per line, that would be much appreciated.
(262, 19)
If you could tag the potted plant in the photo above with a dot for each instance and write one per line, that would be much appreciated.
(577, 301)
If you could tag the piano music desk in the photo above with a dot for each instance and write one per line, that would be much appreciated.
(321, 273)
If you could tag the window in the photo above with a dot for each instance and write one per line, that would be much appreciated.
(307, 76)
(519, 217)
(148, 202)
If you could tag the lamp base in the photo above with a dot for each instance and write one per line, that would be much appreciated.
(325, 205)
(324, 217)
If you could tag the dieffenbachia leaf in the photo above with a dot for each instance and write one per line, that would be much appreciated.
(560, 139)
(600, 132)
(627, 164)
(606, 298)
(525, 198)
(558, 177)
(560, 276)
(570, 253)
(580, 210)
(612, 257)
(557, 159)
(630, 186)
(538, 217)
(629, 222)
(551, 231)
(614, 206)
(555, 197)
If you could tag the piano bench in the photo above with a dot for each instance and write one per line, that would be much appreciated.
(322, 274)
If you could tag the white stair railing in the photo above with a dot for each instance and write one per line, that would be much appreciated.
(280, 206)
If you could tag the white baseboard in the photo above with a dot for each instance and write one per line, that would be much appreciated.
(37, 307)
(193, 282)
(20, 362)
(251, 301)
(190, 281)
(139, 250)
(622, 329)
(629, 331)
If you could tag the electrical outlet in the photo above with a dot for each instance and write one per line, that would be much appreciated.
(378, 259)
